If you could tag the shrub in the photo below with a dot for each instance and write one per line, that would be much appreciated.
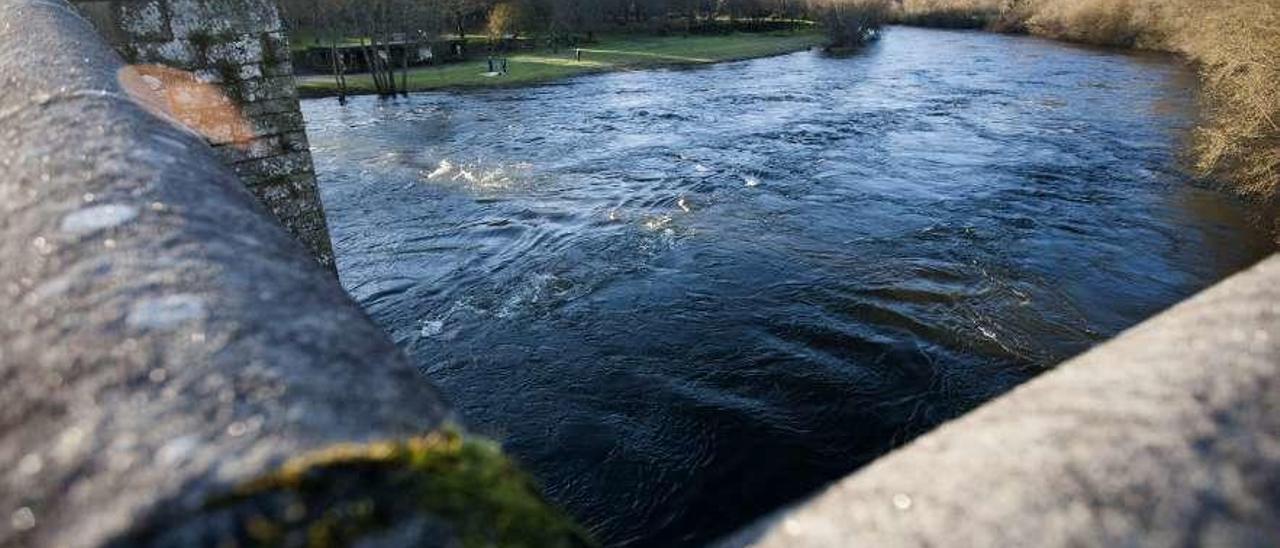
(850, 23)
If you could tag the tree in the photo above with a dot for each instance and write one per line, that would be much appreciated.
(850, 23)
(504, 20)
(462, 13)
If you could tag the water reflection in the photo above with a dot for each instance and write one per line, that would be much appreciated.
(697, 294)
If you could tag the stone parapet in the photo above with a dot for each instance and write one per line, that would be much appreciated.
(240, 47)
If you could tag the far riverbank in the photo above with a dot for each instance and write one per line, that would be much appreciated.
(610, 53)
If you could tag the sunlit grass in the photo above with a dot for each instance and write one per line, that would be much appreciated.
(621, 53)
(616, 52)
(562, 61)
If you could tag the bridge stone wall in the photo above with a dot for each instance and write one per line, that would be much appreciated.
(240, 47)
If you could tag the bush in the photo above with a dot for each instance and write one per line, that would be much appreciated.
(850, 23)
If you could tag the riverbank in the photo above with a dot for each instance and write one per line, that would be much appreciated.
(617, 52)
(1233, 43)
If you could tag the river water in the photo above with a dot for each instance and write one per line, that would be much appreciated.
(682, 298)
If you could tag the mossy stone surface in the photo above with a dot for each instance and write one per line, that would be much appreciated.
(443, 489)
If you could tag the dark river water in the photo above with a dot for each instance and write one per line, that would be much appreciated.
(682, 298)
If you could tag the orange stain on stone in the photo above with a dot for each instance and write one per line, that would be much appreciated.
(182, 97)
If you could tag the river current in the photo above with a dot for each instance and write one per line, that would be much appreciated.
(682, 298)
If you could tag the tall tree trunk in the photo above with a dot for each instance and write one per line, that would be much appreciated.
(370, 65)
(342, 73)
(404, 65)
(376, 55)
(387, 68)
(338, 80)
(384, 55)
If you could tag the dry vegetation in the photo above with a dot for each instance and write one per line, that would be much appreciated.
(949, 13)
(1235, 44)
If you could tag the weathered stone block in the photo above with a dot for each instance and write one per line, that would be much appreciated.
(278, 123)
(262, 147)
(281, 194)
(290, 163)
(239, 49)
(216, 16)
(269, 106)
(295, 142)
(230, 74)
(250, 71)
(144, 20)
(293, 199)
(262, 89)
(174, 53)
(208, 76)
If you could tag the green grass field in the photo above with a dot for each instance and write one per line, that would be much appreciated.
(609, 53)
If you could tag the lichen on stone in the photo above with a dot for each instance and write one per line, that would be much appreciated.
(203, 41)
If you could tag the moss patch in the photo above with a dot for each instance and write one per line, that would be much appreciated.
(229, 75)
(271, 57)
(441, 489)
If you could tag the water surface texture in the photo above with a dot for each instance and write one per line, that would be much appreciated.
(683, 298)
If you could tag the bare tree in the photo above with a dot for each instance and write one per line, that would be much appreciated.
(850, 23)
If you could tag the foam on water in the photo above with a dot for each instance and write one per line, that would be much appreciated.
(479, 175)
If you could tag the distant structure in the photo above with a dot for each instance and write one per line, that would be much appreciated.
(241, 47)
(319, 58)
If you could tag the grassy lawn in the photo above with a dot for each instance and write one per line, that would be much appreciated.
(610, 53)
